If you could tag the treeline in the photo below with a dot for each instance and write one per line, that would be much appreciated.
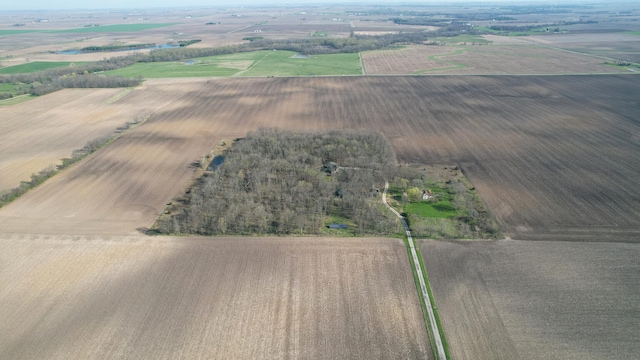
(115, 47)
(83, 81)
(447, 20)
(76, 76)
(353, 44)
(46, 81)
(526, 28)
(278, 182)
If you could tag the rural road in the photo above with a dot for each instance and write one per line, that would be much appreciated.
(423, 286)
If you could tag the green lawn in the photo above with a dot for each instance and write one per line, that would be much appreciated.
(115, 28)
(33, 66)
(441, 209)
(257, 63)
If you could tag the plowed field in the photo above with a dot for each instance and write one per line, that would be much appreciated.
(40, 132)
(139, 297)
(554, 157)
(536, 300)
(518, 58)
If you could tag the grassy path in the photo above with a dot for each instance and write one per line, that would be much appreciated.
(437, 58)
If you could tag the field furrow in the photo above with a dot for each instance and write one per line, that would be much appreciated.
(235, 298)
(553, 157)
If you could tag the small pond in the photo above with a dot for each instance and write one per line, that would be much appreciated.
(215, 163)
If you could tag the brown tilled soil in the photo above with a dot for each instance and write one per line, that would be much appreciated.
(40, 132)
(553, 157)
(202, 298)
(614, 44)
(536, 300)
(517, 58)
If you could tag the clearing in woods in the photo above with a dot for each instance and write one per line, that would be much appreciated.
(235, 298)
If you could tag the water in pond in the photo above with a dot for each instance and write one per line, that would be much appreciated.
(215, 163)
(68, 52)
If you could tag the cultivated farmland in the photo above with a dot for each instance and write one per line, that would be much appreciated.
(553, 157)
(623, 46)
(257, 63)
(196, 298)
(518, 57)
(40, 133)
(535, 300)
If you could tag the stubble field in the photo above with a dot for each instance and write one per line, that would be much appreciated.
(201, 298)
(514, 58)
(536, 300)
(622, 46)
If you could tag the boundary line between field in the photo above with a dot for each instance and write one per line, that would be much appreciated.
(423, 286)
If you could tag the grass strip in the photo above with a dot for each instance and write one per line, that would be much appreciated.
(17, 100)
(438, 58)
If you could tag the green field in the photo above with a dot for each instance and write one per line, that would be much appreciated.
(257, 63)
(14, 32)
(4, 87)
(10, 88)
(33, 67)
(441, 209)
(115, 28)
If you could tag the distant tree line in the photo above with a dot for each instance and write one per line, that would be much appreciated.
(524, 28)
(83, 81)
(76, 76)
(279, 182)
(115, 47)
(46, 81)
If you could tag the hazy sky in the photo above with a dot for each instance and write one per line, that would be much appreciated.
(121, 4)
(104, 4)
(129, 4)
